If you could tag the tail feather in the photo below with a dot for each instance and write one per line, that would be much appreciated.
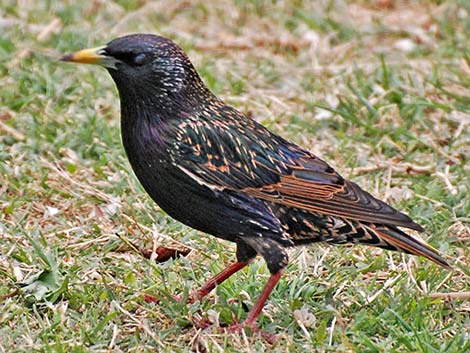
(409, 244)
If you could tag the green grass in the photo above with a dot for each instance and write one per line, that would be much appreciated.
(325, 74)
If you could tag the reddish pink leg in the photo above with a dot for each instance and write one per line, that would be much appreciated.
(268, 288)
(255, 312)
(218, 279)
(209, 286)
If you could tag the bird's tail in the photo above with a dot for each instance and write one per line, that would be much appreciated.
(402, 241)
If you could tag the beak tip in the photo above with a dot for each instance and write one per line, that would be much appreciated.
(67, 57)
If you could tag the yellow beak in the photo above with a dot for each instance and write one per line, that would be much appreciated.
(94, 56)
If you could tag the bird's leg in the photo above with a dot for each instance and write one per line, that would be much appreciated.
(208, 286)
(256, 311)
(245, 254)
(276, 259)
(218, 279)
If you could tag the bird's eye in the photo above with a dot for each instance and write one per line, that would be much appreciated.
(140, 59)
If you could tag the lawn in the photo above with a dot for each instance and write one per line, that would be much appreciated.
(380, 89)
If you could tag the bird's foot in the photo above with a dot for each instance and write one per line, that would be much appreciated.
(240, 327)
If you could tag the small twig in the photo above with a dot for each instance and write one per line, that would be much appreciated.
(451, 295)
(445, 178)
(389, 182)
(388, 283)
(53, 26)
(435, 202)
(400, 168)
(112, 343)
(332, 329)
(150, 230)
(12, 131)
(130, 244)
(320, 262)
(9, 295)
(450, 274)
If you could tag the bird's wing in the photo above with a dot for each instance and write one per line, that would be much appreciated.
(252, 160)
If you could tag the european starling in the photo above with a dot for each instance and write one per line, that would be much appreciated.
(214, 169)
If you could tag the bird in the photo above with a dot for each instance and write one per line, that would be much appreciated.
(213, 168)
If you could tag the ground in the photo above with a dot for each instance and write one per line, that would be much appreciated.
(380, 89)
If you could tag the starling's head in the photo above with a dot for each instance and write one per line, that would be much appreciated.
(144, 61)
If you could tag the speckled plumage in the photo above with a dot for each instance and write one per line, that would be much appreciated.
(211, 167)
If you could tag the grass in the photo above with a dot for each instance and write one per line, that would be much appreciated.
(380, 90)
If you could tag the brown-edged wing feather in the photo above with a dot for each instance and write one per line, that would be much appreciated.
(243, 156)
(411, 245)
(325, 191)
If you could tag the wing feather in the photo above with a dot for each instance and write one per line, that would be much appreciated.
(265, 166)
